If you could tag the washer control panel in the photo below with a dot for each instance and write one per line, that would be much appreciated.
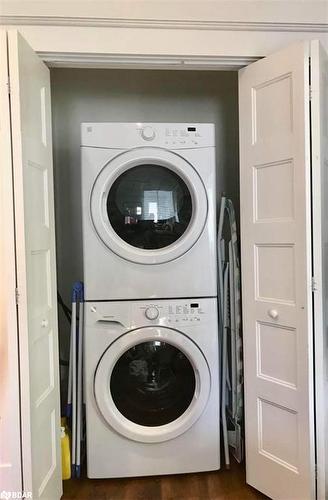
(170, 314)
(178, 313)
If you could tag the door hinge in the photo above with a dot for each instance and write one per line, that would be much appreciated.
(316, 472)
(314, 286)
(310, 92)
(16, 296)
(8, 86)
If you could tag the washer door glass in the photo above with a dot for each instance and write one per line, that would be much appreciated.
(153, 383)
(149, 206)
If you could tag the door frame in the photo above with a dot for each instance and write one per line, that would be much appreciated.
(184, 62)
(68, 38)
(204, 62)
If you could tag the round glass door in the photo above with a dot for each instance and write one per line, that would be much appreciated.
(152, 384)
(148, 205)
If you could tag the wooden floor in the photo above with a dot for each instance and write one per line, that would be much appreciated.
(223, 485)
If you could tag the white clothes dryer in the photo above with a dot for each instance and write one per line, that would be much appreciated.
(149, 210)
(152, 387)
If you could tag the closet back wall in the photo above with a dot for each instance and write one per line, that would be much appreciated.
(105, 95)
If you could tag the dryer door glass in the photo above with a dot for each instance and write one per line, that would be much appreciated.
(153, 383)
(149, 206)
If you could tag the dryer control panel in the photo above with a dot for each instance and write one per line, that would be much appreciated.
(163, 135)
(187, 136)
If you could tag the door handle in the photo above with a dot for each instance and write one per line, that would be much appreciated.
(109, 321)
(273, 313)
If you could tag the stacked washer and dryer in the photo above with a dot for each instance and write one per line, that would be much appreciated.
(151, 327)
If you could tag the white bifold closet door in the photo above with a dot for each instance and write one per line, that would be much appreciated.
(276, 256)
(10, 457)
(319, 126)
(36, 269)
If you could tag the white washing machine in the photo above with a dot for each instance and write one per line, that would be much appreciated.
(149, 210)
(152, 387)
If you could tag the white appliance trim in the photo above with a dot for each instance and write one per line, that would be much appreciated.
(124, 162)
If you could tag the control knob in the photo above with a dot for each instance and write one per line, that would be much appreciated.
(148, 133)
(151, 313)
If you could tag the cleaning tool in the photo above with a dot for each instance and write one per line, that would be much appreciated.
(74, 395)
(65, 450)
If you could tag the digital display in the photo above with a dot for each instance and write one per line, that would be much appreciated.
(191, 129)
(194, 305)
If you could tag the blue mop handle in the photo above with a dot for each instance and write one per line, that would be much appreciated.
(78, 292)
(77, 296)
